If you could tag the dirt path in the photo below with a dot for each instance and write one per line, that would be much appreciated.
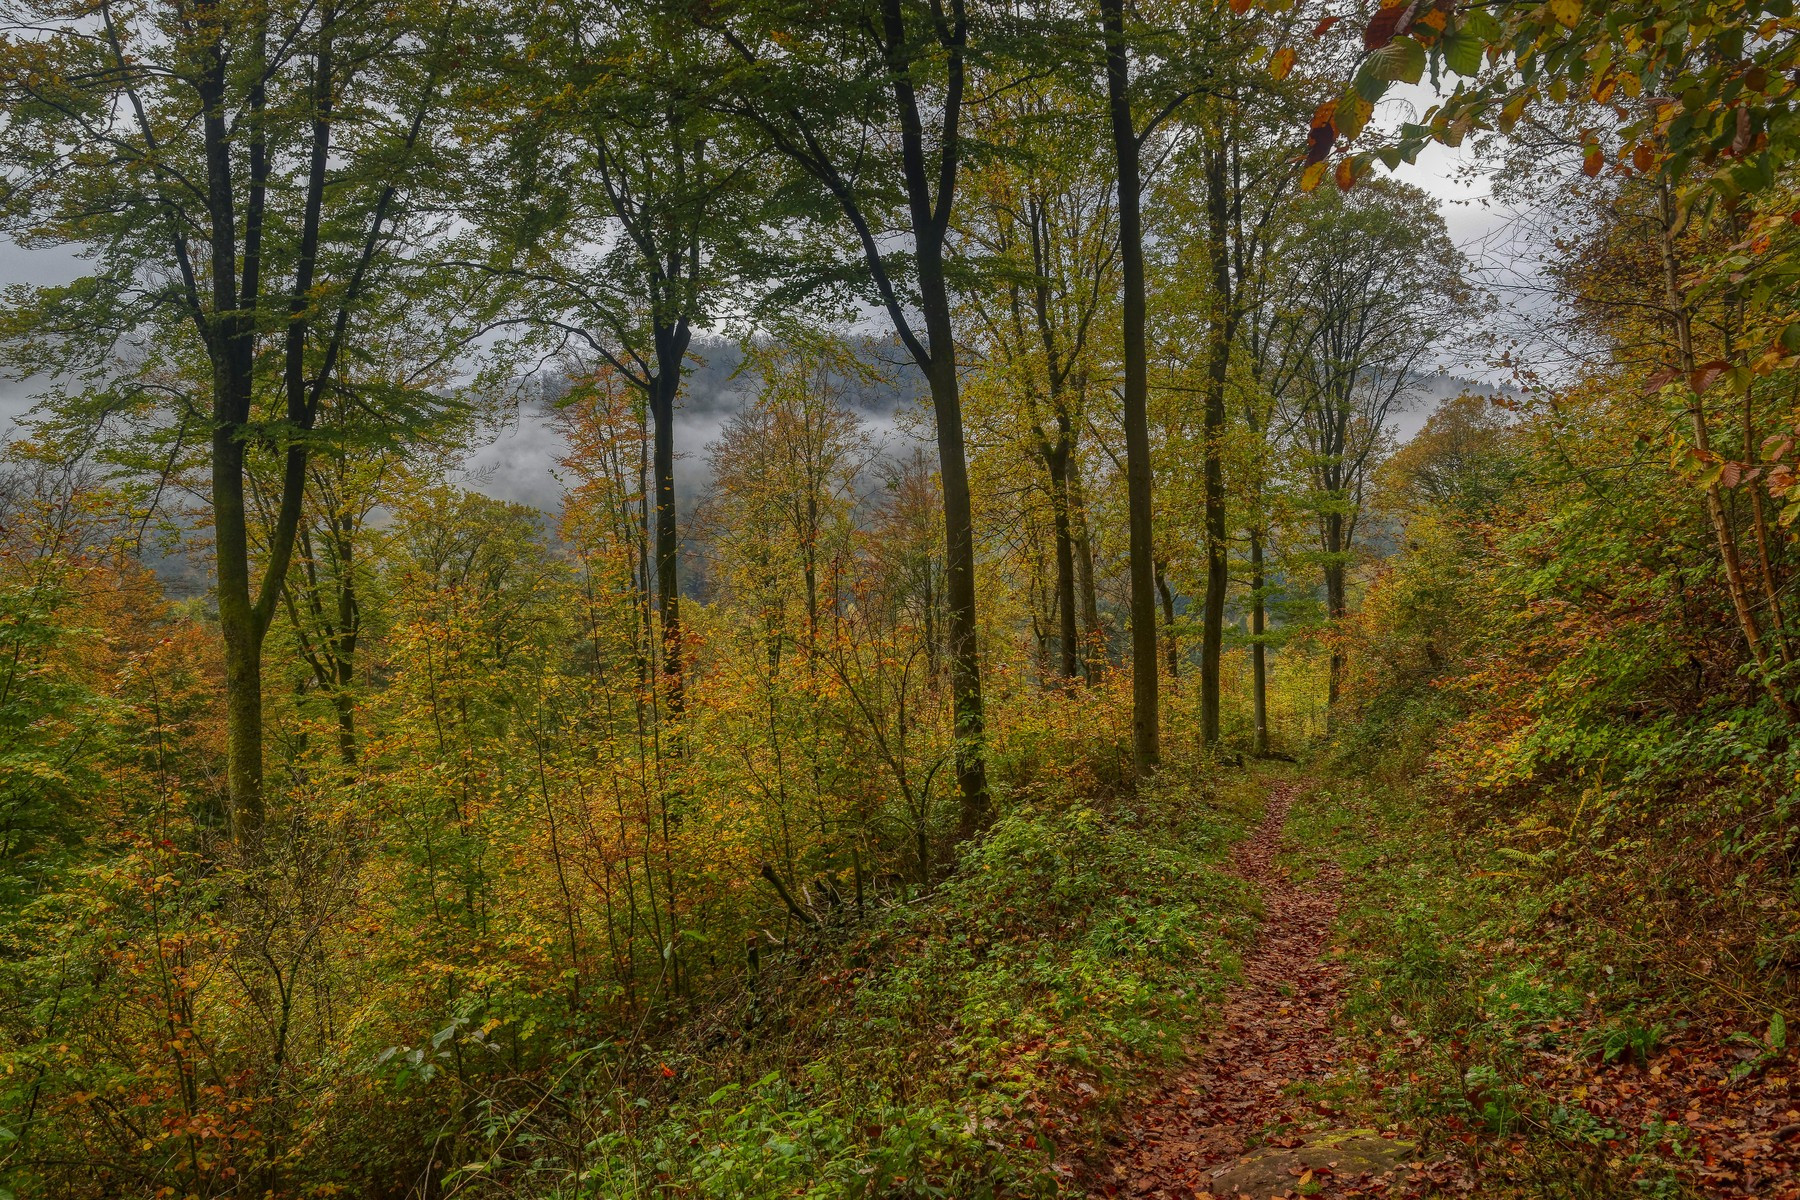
(1228, 1125)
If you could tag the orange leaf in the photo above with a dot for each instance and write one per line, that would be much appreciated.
(1346, 174)
(1240, 7)
(1324, 27)
(1590, 166)
(1642, 157)
(1282, 63)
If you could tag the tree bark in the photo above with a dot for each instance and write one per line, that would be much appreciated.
(671, 350)
(959, 575)
(230, 344)
(1219, 339)
(1068, 636)
(1259, 669)
(1145, 738)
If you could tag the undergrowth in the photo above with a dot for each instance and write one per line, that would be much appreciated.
(958, 1045)
(1514, 1004)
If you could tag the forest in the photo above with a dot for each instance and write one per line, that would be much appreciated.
(899, 598)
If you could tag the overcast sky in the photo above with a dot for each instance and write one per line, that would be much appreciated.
(515, 464)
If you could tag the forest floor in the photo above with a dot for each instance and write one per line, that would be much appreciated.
(1250, 1115)
(1413, 1020)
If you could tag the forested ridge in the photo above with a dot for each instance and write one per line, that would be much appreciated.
(1068, 640)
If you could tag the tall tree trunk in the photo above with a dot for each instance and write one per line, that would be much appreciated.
(230, 344)
(243, 641)
(1172, 649)
(671, 351)
(1145, 738)
(1259, 669)
(1069, 639)
(959, 580)
(1219, 338)
(1093, 644)
(930, 197)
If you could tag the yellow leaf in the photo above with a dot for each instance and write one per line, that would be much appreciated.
(1351, 114)
(1515, 108)
(1309, 178)
(1282, 63)
(1566, 12)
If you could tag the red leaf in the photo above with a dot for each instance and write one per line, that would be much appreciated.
(1590, 166)
(1324, 27)
(1704, 377)
(1318, 143)
(1382, 26)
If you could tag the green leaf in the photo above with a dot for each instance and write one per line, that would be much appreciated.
(1368, 84)
(1462, 53)
(1400, 61)
(1480, 24)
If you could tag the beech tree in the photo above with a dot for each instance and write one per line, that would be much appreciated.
(627, 207)
(245, 182)
(1368, 279)
(1043, 218)
(868, 101)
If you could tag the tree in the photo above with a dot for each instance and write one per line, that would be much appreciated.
(1189, 52)
(641, 204)
(868, 102)
(1043, 217)
(1369, 283)
(246, 180)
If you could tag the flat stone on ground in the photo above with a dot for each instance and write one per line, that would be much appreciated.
(1342, 1152)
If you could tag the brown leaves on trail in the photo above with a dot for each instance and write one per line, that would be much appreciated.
(1714, 1102)
(1204, 1133)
